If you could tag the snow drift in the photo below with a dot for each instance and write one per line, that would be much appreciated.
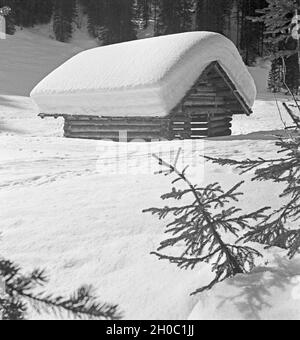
(145, 77)
(269, 293)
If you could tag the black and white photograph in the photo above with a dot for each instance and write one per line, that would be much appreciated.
(150, 162)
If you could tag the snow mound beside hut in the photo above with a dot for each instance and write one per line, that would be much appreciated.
(141, 78)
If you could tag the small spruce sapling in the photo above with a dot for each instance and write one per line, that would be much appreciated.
(201, 225)
(17, 291)
(274, 229)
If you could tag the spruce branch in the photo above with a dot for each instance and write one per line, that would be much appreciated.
(20, 291)
(273, 230)
(200, 226)
(82, 304)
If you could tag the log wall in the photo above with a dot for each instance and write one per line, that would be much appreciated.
(116, 129)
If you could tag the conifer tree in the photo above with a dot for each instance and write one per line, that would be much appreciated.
(123, 12)
(211, 14)
(198, 228)
(95, 11)
(174, 16)
(26, 13)
(251, 42)
(111, 21)
(143, 13)
(292, 74)
(63, 19)
(43, 11)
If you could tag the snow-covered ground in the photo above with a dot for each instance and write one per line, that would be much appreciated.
(62, 210)
(26, 58)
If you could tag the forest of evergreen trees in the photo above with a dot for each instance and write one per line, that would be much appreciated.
(114, 21)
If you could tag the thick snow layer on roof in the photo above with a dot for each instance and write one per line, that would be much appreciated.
(140, 78)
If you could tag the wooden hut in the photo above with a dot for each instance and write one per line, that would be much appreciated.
(202, 107)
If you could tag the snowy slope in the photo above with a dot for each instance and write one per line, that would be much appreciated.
(144, 77)
(28, 57)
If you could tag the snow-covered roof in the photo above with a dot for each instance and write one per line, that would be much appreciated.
(140, 78)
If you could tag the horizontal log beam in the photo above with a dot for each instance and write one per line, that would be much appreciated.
(219, 117)
(202, 132)
(180, 121)
(108, 128)
(204, 90)
(204, 101)
(181, 136)
(116, 139)
(210, 107)
(201, 118)
(222, 134)
(202, 110)
(221, 124)
(115, 124)
(112, 135)
(114, 119)
(218, 130)
(197, 125)
(212, 77)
